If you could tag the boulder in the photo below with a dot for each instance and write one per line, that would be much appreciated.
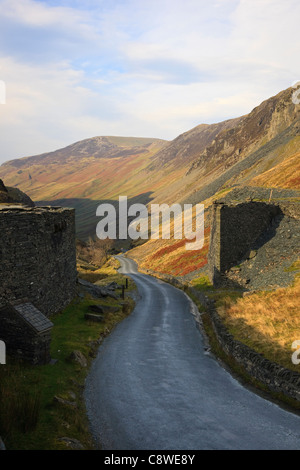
(72, 443)
(96, 309)
(113, 286)
(77, 356)
(101, 309)
(252, 254)
(63, 401)
(106, 292)
(96, 291)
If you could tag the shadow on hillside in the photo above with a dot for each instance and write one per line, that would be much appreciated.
(85, 211)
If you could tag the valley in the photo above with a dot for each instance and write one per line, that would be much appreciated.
(253, 159)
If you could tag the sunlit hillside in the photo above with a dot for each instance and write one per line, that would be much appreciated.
(258, 149)
(267, 321)
(284, 175)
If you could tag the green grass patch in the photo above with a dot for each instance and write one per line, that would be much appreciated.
(202, 283)
(31, 418)
(294, 267)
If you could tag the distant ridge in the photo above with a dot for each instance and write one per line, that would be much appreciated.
(194, 167)
(97, 147)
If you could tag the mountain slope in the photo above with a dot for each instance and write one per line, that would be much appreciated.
(284, 175)
(96, 147)
(195, 167)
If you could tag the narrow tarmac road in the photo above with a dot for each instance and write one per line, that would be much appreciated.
(153, 387)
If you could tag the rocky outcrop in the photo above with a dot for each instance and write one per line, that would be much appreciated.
(257, 128)
(78, 356)
(97, 291)
(3, 193)
(16, 196)
(10, 195)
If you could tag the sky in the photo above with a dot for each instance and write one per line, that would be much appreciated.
(70, 70)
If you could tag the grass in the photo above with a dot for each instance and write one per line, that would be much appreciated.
(294, 267)
(285, 174)
(31, 418)
(268, 322)
(172, 257)
(220, 296)
(239, 371)
(91, 273)
(233, 300)
(202, 283)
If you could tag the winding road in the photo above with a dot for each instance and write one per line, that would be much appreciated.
(152, 386)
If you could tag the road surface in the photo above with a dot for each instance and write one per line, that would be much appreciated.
(153, 386)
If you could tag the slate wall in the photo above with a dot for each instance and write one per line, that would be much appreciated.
(21, 341)
(38, 256)
(236, 227)
(275, 377)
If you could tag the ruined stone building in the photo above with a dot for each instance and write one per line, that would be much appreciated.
(253, 243)
(37, 275)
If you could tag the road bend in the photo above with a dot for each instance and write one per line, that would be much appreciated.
(152, 385)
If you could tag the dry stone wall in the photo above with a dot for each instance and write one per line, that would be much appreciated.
(274, 376)
(22, 340)
(235, 228)
(38, 256)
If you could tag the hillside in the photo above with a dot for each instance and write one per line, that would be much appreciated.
(284, 175)
(257, 149)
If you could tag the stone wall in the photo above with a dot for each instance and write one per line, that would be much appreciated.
(236, 227)
(21, 338)
(38, 256)
(277, 378)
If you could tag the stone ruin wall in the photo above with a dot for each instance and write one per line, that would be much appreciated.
(235, 228)
(38, 256)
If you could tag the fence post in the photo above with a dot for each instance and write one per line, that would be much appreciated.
(2, 352)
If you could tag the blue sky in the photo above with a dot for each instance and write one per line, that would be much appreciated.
(148, 68)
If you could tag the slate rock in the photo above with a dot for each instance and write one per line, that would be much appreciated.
(64, 402)
(96, 291)
(102, 309)
(72, 443)
(113, 285)
(96, 308)
(77, 356)
(252, 254)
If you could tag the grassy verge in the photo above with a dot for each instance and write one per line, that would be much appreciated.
(42, 407)
(239, 372)
(267, 322)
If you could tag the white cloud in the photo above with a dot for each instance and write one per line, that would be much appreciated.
(153, 68)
